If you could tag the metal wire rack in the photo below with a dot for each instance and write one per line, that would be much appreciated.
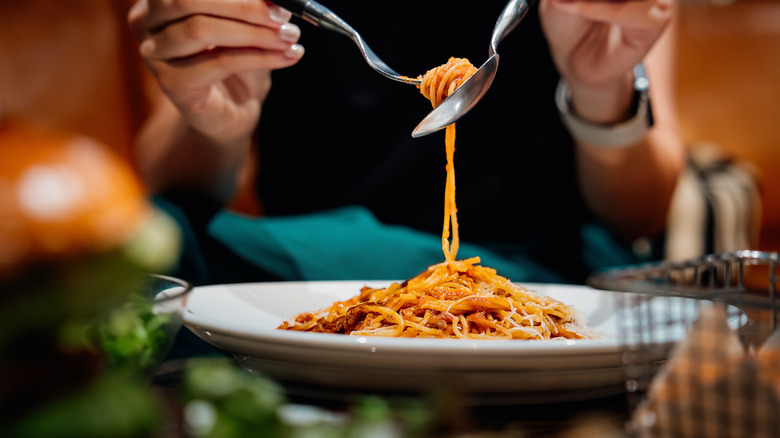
(705, 359)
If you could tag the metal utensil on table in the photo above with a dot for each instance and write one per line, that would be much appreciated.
(321, 16)
(463, 99)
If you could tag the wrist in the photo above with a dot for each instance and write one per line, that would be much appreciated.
(604, 105)
(621, 131)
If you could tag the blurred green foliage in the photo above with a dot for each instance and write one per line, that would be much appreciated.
(222, 400)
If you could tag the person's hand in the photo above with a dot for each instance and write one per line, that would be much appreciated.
(596, 43)
(213, 58)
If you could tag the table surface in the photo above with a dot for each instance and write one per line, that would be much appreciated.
(457, 416)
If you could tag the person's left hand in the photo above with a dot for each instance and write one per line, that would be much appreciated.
(596, 43)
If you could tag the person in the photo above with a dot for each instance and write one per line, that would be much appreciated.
(346, 192)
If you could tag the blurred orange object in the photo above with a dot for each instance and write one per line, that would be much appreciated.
(62, 194)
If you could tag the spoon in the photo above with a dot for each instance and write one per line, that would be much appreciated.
(457, 104)
(319, 15)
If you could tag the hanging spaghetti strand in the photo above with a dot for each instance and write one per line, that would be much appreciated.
(435, 85)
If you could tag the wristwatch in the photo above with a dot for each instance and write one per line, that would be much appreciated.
(616, 135)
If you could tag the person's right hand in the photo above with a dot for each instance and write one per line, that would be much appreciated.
(213, 58)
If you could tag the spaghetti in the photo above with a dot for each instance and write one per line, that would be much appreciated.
(436, 85)
(453, 299)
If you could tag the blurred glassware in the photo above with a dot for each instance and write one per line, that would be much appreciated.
(136, 336)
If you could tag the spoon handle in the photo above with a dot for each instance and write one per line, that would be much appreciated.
(510, 17)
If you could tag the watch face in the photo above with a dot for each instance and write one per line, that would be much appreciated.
(642, 86)
(641, 83)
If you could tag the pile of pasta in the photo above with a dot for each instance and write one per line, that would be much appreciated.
(455, 298)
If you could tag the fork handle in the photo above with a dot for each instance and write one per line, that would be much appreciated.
(317, 15)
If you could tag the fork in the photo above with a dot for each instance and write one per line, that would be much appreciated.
(319, 15)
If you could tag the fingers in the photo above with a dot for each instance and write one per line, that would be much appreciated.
(195, 43)
(152, 15)
(214, 66)
(173, 29)
(595, 43)
(200, 33)
(636, 14)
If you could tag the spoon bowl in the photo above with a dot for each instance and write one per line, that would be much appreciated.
(463, 99)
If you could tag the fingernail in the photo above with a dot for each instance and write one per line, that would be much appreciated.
(279, 14)
(295, 51)
(147, 47)
(289, 32)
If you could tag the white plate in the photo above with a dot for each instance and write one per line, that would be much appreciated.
(242, 319)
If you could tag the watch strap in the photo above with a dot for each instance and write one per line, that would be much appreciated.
(616, 135)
